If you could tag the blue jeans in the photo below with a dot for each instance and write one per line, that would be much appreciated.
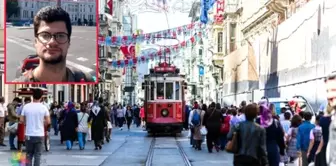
(81, 139)
(11, 137)
(54, 125)
(34, 150)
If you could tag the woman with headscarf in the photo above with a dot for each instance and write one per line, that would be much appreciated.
(98, 124)
(213, 120)
(69, 125)
(275, 143)
(197, 136)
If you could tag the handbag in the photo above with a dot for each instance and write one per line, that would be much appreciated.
(232, 145)
(204, 131)
(13, 128)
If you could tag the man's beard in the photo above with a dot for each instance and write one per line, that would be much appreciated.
(53, 61)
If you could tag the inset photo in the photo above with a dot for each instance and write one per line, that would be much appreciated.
(53, 42)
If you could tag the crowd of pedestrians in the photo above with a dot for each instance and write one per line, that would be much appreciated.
(257, 136)
(74, 123)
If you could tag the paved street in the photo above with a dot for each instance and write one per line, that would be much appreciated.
(127, 148)
(81, 55)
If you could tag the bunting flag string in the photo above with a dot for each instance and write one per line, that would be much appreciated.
(145, 57)
(150, 38)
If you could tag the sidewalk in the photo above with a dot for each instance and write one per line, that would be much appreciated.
(58, 155)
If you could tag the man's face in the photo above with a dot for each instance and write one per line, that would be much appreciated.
(52, 42)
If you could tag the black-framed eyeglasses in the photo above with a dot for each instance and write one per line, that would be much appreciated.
(60, 37)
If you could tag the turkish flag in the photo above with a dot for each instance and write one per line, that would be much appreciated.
(128, 51)
(110, 5)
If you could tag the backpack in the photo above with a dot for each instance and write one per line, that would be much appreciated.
(225, 128)
(196, 119)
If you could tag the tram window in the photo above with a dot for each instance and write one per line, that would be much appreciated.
(151, 88)
(169, 90)
(177, 91)
(160, 90)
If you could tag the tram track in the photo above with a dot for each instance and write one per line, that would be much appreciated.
(172, 143)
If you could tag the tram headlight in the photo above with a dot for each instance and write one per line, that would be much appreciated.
(164, 112)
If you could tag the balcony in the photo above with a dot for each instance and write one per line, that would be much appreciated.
(232, 7)
(277, 6)
(102, 20)
(115, 73)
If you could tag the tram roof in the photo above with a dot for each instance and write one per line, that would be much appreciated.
(163, 75)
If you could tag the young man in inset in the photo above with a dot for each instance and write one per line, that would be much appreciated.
(52, 31)
(36, 116)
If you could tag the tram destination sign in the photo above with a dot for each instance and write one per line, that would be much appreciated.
(165, 69)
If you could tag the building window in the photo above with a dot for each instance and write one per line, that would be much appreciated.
(72, 93)
(233, 37)
(79, 91)
(160, 90)
(32, 14)
(220, 42)
(200, 51)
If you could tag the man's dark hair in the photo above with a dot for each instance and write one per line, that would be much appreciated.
(37, 94)
(100, 100)
(51, 14)
(16, 99)
(2, 99)
(287, 115)
(307, 116)
(283, 109)
(27, 99)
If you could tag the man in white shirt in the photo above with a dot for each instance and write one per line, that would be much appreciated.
(3, 114)
(36, 116)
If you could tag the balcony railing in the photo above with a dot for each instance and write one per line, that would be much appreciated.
(232, 7)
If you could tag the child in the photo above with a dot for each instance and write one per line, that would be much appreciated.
(315, 139)
(291, 137)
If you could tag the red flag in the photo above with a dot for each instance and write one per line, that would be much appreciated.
(110, 5)
(128, 51)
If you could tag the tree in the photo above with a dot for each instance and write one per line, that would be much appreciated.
(12, 7)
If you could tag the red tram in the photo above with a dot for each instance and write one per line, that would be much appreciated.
(164, 99)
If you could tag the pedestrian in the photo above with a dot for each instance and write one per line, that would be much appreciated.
(142, 116)
(303, 137)
(191, 127)
(136, 114)
(35, 116)
(252, 148)
(315, 140)
(225, 128)
(291, 138)
(83, 128)
(53, 115)
(3, 114)
(275, 142)
(324, 122)
(98, 123)
(70, 125)
(120, 117)
(129, 116)
(197, 136)
(213, 119)
(108, 130)
(13, 119)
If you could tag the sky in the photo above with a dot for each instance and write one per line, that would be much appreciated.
(152, 22)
